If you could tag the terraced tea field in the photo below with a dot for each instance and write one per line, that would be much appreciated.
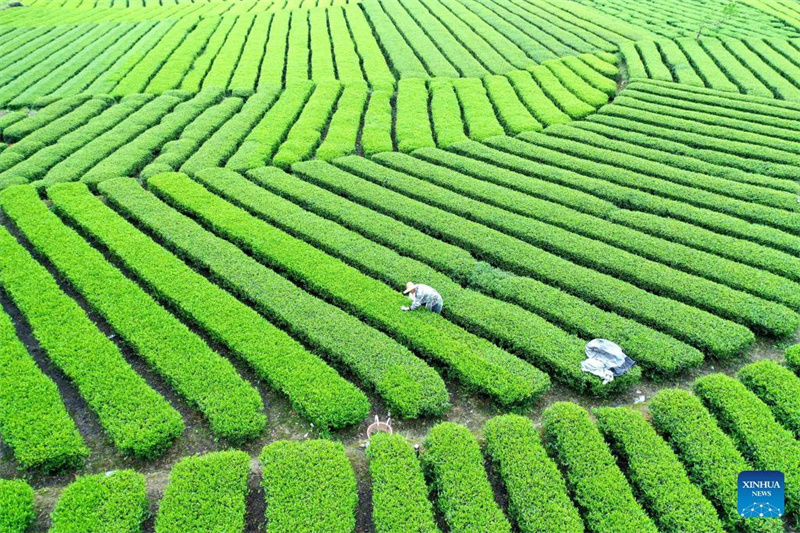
(209, 211)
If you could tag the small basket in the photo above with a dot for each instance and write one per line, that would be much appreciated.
(378, 426)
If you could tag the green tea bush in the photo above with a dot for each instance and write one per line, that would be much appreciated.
(705, 66)
(453, 461)
(33, 420)
(78, 162)
(653, 61)
(576, 84)
(181, 60)
(693, 289)
(137, 419)
(245, 76)
(16, 506)
(793, 358)
(399, 494)
(313, 388)
(595, 481)
(130, 159)
(206, 493)
(777, 387)
(600, 77)
(140, 75)
(306, 133)
(753, 428)
(709, 456)
(479, 118)
(491, 245)
(675, 503)
(516, 155)
(114, 501)
(222, 145)
(413, 124)
(376, 134)
(309, 486)
(478, 363)
(446, 113)
(656, 179)
(266, 137)
(538, 498)
(409, 386)
(511, 112)
(642, 343)
(342, 134)
(207, 380)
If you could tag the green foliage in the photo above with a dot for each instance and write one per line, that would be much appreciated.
(376, 135)
(595, 481)
(452, 460)
(709, 456)
(309, 486)
(413, 124)
(223, 144)
(399, 495)
(342, 132)
(306, 134)
(793, 358)
(410, 387)
(457, 220)
(538, 498)
(511, 112)
(33, 420)
(676, 504)
(752, 426)
(16, 506)
(207, 380)
(777, 387)
(206, 493)
(446, 113)
(115, 502)
(479, 118)
(137, 419)
(314, 389)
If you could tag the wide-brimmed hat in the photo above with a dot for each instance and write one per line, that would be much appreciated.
(410, 286)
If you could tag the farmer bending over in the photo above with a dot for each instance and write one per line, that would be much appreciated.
(422, 295)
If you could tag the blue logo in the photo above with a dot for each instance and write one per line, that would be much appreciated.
(761, 494)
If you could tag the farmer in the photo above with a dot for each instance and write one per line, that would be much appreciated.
(422, 295)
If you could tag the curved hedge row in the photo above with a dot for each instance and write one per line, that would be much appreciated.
(409, 386)
(656, 352)
(777, 387)
(393, 192)
(753, 428)
(537, 495)
(453, 461)
(709, 456)
(203, 377)
(33, 420)
(399, 495)
(137, 419)
(205, 494)
(16, 506)
(309, 487)
(476, 312)
(676, 504)
(642, 259)
(478, 363)
(595, 481)
(116, 501)
(557, 357)
(314, 389)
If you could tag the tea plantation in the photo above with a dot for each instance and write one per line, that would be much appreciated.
(209, 210)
